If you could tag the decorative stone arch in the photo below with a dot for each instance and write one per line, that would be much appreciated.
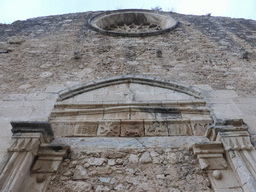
(143, 80)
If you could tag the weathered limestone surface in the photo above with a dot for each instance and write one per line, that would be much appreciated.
(148, 169)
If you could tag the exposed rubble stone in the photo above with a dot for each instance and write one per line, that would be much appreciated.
(179, 175)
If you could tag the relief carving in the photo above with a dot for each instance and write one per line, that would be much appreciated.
(199, 127)
(109, 129)
(132, 129)
(156, 128)
(179, 129)
(86, 129)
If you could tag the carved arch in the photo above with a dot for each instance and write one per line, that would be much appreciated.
(144, 80)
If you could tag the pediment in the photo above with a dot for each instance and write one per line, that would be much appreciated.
(130, 106)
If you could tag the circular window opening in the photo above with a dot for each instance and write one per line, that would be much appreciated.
(133, 23)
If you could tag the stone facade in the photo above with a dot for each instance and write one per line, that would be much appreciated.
(91, 112)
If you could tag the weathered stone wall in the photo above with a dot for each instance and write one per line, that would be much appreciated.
(41, 56)
(201, 50)
(151, 169)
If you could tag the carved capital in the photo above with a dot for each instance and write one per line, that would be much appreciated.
(50, 157)
(210, 155)
(232, 133)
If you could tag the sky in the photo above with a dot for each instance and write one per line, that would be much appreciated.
(12, 10)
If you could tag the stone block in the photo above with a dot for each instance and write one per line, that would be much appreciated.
(156, 128)
(179, 128)
(109, 128)
(132, 129)
(41, 112)
(19, 113)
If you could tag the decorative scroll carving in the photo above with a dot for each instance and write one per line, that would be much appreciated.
(109, 129)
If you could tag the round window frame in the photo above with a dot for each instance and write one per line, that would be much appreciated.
(123, 34)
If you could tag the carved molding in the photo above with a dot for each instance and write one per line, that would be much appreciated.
(144, 80)
(240, 153)
(50, 157)
(15, 167)
(210, 155)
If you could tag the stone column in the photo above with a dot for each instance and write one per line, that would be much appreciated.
(26, 139)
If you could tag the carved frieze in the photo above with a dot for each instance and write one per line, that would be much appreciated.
(199, 126)
(156, 128)
(109, 129)
(179, 128)
(132, 128)
(84, 129)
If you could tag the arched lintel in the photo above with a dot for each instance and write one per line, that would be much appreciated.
(144, 80)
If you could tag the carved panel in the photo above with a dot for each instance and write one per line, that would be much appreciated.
(86, 129)
(156, 128)
(179, 128)
(132, 129)
(199, 127)
(237, 140)
(109, 129)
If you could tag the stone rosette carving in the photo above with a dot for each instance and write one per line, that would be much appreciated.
(132, 23)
